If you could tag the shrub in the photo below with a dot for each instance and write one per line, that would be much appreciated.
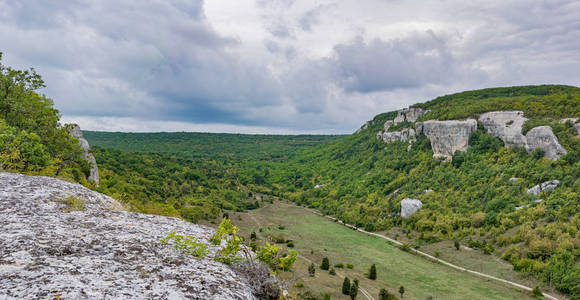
(187, 244)
(332, 271)
(72, 203)
(346, 286)
(385, 295)
(290, 244)
(325, 265)
(373, 272)
(456, 245)
(279, 239)
(339, 265)
(281, 227)
(536, 292)
(311, 270)
(349, 266)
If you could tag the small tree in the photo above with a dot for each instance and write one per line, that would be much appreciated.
(332, 271)
(325, 264)
(536, 292)
(385, 295)
(353, 291)
(401, 291)
(346, 286)
(456, 244)
(373, 272)
(253, 235)
(311, 270)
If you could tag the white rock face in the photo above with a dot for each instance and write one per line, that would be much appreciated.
(100, 252)
(405, 134)
(506, 125)
(545, 186)
(410, 114)
(447, 136)
(543, 138)
(410, 206)
(77, 133)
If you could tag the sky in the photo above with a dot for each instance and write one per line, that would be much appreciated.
(279, 66)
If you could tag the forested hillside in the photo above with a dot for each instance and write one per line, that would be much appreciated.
(362, 180)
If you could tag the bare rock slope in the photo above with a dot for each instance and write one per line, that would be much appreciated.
(99, 252)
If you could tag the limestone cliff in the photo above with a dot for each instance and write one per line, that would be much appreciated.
(447, 136)
(78, 134)
(507, 125)
(99, 251)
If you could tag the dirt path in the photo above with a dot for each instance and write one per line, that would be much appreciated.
(515, 284)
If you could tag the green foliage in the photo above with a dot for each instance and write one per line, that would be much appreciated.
(353, 289)
(385, 295)
(346, 286)
(401, 290)
(32, 141)
(339, 265)
(325, 265)
(536, 292)
(349, 266)
(373, 272)
(186, 244)
(73, 203)
(332, 272)
(456, 245)
(270, 255)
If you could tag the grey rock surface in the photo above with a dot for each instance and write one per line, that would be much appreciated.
(410, 114)
(100, 252)
(543, 138)
(506, 125)
(410, 206)
(77, 133)
(447, 136)
(545, 186)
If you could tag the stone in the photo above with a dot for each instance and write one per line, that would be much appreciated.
(388, 124)
(410, 206)
(545, 186)
(447, 137)
(410, 114)
(101, 252)
(514, 179)
(405, 134)
(506, 125)
(428, 191)
(543, 138)
(573, 120)
(76, 132)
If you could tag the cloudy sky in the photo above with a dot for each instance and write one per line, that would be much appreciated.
(279, 66)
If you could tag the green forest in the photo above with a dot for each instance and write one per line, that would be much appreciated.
(357, 178)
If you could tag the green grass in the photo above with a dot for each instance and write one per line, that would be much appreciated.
(72, 203)
(420, 277)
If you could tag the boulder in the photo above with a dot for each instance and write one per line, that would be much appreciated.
(410, 206)
(99, 252)
(410, 114)
(514, 179)
(447, 136)
(405, 134)
(76, 132)
(545, 186)
(506, 125)
(543, 138)
(573, 120)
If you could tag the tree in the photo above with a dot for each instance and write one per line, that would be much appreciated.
(346, 286)
(311, 270)
(385, 295)
(325, 264)
(253, 235)
(456, 244)
(353, 291)
(401, 291)
(373, 272)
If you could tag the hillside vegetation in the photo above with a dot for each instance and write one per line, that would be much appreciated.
(32, 141)
(362, 180)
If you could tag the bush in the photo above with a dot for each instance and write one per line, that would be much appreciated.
(339, 265)
(536, 292)
(311, 270)
(332, 271)
(373, 272)
(456, 245)
(290, 244)
(349, 266)
(279, 239)
(346, 286)
(385, 295)
(325, 265)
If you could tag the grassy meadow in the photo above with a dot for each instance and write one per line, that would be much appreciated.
(315, 236)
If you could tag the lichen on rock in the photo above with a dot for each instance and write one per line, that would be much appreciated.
(100, 252)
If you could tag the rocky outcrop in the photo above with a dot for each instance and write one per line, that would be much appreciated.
(76, 132)
(405, 134)
(506, 125)
(543, 138)
(410, 114)
(447, 136)
(99, 252)
(545, 186)
(410, 206)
